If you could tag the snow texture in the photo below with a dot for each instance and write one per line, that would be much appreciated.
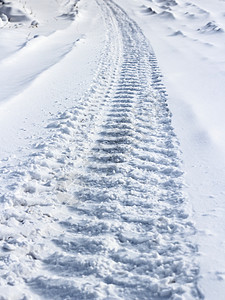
(92, 202)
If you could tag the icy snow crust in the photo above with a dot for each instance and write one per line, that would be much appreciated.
(96, 209)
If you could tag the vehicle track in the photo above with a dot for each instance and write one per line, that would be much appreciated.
(122, 230)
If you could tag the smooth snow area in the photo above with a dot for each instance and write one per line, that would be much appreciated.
(93, 200)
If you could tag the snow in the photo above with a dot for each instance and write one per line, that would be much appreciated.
(190, 53)
(94, 201)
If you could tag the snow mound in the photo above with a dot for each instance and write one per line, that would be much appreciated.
(190, 15)
(10, 14)
(3, 20)
(150, 11)
(166, 15)
(30, 11)
(211, 27)
(178, 33)
(33, 29)
(167, 2)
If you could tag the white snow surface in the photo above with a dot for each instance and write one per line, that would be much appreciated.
(112, 149)
(191, 53)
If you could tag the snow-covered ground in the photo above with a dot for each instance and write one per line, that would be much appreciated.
(94, 202)
(188, 39)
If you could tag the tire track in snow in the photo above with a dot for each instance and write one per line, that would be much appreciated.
(115, 226)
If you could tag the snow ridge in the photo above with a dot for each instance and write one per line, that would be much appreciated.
(99, 206)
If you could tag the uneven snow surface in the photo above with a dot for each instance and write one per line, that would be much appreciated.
(92, 202)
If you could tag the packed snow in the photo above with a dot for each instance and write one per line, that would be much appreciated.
(112, 149)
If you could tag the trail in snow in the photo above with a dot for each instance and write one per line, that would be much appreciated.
(112, 224)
